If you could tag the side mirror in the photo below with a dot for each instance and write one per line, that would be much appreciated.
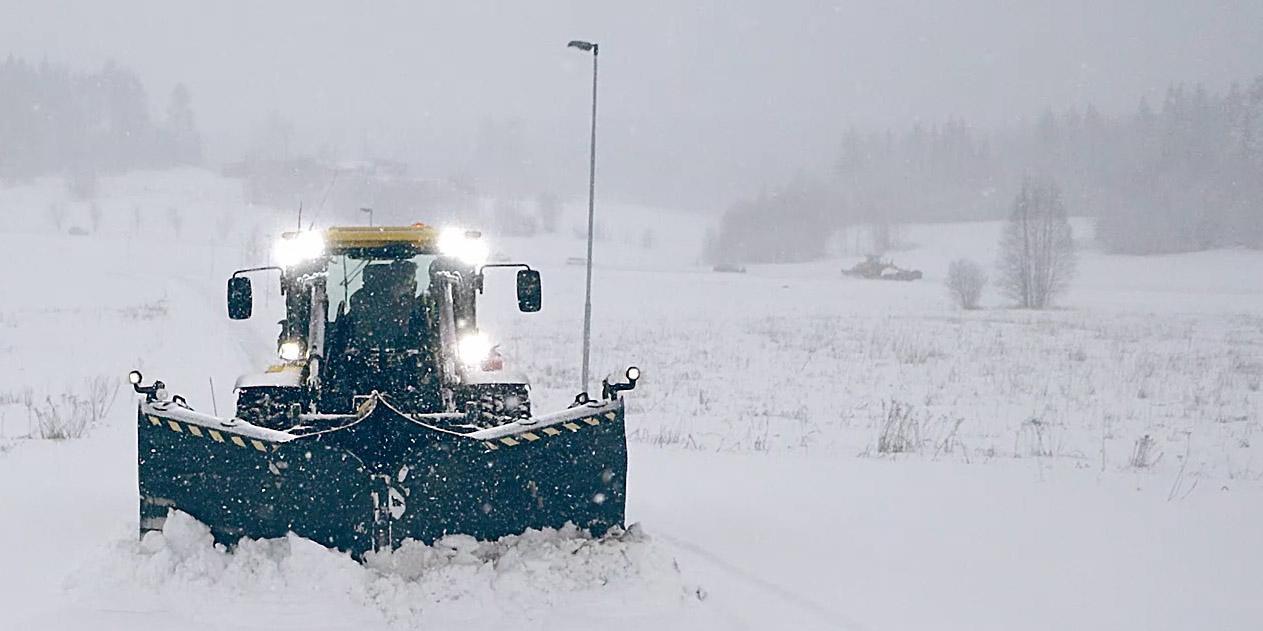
(240, 298)
(528, 290)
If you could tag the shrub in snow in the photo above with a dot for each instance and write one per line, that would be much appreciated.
(665, 436)
(1034, 438)
(1142, 456)
(70, 415)
(965, 280)
(913, 351)
(900, 430)
(100, 393)
(65, 417)
(951, 440)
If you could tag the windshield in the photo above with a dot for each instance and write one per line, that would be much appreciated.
(348, 274)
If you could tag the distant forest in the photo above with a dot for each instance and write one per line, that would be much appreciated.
(57, 121)
(1185, 175)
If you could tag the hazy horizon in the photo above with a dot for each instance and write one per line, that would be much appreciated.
(707, 101)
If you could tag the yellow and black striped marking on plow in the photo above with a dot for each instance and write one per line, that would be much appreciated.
(514, 440)
(491, 444)
(210, 434)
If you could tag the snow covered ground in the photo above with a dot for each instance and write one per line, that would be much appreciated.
(1090, 467)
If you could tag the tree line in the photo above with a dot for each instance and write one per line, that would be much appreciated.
(1184, 175)
(58, 121)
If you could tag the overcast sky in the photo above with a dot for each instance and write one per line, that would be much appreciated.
(736, 93)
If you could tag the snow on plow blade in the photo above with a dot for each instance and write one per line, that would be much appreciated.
(372, 480)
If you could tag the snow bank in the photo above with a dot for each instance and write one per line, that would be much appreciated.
(529, 579)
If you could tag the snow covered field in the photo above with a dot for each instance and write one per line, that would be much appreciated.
(1090, 467)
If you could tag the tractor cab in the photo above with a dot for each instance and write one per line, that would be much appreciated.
(388, 311)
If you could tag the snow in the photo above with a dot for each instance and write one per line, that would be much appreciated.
(539, 421)
(540, 578)
(233, 426)
(287, 376)
(761, 497)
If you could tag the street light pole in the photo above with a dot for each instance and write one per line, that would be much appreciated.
(587, 297)
(370, 214)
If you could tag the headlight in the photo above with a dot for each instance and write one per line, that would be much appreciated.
(473, 348)
(465, 245)
(134, 377)
(633, 373)
(297, 247)
(291, 351)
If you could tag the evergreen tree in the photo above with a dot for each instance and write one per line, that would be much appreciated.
(79, 124)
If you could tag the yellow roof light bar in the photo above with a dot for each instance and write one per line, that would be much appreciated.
(420, 236)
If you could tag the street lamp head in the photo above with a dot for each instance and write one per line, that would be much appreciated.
(581, 45)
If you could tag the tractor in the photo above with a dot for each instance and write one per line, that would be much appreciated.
(388, 415)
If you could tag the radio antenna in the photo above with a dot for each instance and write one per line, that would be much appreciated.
(214, 404)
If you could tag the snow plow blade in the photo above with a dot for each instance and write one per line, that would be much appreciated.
(371, 480)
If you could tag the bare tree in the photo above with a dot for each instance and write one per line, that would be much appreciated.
(94, 217)
(1037, 247)
(965, 280)
(57, 215)
(175, 219)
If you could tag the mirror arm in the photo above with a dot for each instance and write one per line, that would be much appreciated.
(256, 269)
(521, 265)
(523, 268)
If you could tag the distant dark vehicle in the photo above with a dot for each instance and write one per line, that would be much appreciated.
(576, 260)
(876, 268)
(729, 268)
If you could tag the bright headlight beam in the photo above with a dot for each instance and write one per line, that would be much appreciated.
(291, 351)
(473, 348)
(296, 248)
(459, 244)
